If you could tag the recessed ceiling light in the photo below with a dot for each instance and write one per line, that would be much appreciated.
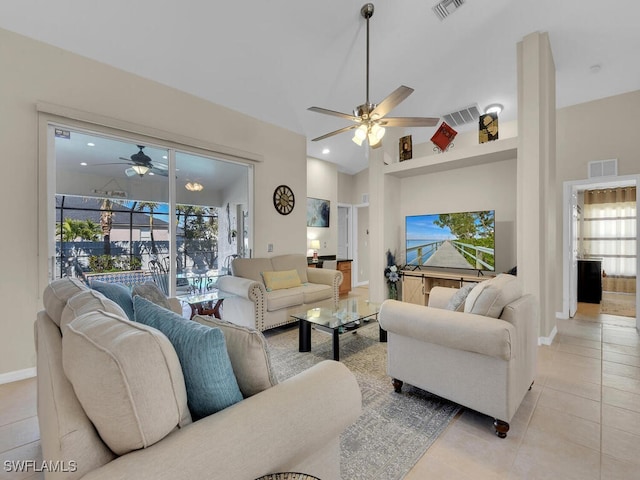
(595, 68)
(326, 151)
(494, 108)
(91, 144)
(84, 164)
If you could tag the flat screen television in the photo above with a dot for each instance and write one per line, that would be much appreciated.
(464, 240)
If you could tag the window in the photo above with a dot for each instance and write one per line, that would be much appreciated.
(609, 232)
(122, 205)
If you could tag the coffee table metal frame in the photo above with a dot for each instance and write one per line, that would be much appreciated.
(345, 316)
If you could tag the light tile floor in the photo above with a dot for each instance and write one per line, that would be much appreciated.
(580, 421)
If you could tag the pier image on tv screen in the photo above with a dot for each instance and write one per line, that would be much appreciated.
(464, 240)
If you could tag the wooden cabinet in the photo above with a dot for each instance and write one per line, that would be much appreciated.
(345, 267)
(416, 285)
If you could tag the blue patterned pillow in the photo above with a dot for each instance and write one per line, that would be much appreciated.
(117, 292)
(208, 374)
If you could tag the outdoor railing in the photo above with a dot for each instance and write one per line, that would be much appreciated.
(475, 254)
(423, 252)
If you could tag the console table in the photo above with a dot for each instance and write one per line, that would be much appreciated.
(416, 284)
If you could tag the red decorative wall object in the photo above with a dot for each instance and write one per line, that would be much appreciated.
(443, 136)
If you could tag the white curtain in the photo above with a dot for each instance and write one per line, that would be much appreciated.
(609, 233)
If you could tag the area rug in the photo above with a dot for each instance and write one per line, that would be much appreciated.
(618, 304)
(394, 430)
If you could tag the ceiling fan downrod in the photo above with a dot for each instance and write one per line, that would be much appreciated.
(367, 12)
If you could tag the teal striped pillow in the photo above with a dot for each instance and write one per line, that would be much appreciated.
(117, 292)
(208, 374)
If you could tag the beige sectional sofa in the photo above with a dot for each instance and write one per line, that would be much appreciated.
(482, 356)
(131, 422)
(253, 305)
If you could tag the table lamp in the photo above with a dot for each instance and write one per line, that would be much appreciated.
(314, 245)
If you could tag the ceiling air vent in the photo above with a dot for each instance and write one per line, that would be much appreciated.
(446, 8)
(464, 115)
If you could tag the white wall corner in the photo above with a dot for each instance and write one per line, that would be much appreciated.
(17, 375)
(564, 315)
(548, 340)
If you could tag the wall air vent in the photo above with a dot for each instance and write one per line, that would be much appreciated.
(446, 8)
(603, 168)
(464, 115)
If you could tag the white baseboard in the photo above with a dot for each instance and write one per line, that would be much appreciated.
(17, 375)
(548, 340)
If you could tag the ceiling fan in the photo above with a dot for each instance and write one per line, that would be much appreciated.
(369, 118)
(141, 164)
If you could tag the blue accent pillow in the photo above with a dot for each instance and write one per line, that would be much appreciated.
(202, 351)
(117, 292)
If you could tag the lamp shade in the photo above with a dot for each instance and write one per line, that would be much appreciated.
(140, 169)
(314, 244)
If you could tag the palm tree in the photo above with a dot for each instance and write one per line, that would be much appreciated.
(72, 229)
(106, 221)
(151, 206)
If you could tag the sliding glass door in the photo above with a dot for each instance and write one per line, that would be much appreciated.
(143, 211)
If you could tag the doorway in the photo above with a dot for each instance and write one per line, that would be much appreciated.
(572, 251)
(360, 268)
(344, 231)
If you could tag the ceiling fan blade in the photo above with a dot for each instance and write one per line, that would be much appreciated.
(391, 102)
(336, 132)
(110, 163)
(160, 171)
(334, 113)
(409, 121)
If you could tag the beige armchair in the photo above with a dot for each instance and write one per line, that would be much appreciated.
(486, 364)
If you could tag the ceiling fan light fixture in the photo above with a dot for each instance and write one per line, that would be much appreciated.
(140, 169)
(359, 135)
(193, 186)
(494, 108)
(377, 131)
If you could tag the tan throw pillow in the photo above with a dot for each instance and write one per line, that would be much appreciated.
(57, 293)
(489, 298)
(151, 292)
(85, 302)
(249, 354)
(280, 280)
(127, 378)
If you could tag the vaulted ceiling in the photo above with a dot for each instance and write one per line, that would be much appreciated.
(274, 59)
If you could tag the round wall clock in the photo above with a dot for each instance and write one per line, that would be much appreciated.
(283, 200)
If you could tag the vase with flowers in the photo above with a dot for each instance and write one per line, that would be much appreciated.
(392, 274)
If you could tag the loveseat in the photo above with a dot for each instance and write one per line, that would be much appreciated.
(479, 351)
(112, 402)
(254, 303)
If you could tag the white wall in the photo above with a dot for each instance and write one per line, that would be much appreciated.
(484, 187)
(322, 182)
(34, 72)
(598, 130)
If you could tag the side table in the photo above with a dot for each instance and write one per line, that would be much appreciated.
(206, 303)
(288, 476)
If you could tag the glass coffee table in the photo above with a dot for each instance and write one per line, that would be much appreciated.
(347, 315)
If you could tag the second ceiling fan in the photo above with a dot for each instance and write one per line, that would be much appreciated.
(369, 118)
